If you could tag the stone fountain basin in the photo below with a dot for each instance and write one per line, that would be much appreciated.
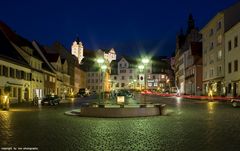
(114, 111)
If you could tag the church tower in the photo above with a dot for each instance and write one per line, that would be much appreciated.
(77, 50)
(191, 24)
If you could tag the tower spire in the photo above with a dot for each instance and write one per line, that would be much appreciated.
(77, 39)
(191, 23)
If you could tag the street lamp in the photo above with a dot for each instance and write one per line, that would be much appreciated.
(102, 67)
(143, 66)
(100, 60)
(145, 61)
(134, 86)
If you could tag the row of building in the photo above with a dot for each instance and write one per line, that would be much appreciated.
(207, 61)
(29, 69)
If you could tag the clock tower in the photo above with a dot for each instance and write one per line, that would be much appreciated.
(77, 49)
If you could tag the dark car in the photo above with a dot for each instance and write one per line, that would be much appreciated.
(51, 100)
(125, 93)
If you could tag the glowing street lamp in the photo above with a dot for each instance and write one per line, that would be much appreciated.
(145, 61)
(100, 60)
(103, 67)
(141, 67)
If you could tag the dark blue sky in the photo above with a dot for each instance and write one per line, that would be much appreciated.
(126, 25)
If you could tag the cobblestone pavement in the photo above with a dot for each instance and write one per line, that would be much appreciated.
(189, 126)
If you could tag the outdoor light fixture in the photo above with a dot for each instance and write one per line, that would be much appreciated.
(141, 67)
(145, 60)
(104, 67)
(100, 60)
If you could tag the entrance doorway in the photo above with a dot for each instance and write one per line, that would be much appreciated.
(26, 94)
(234, 89)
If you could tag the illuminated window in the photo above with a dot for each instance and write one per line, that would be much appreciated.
(220, 54)
(219, 39)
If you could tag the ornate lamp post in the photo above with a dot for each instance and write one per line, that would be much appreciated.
(141, 67)
(145, 62)
(100, 62)
(103, 68)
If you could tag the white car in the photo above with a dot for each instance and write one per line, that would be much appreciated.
(235, 102)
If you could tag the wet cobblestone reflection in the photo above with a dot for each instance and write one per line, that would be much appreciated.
(190, 125)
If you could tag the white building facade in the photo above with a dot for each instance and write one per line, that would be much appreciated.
(232, 59)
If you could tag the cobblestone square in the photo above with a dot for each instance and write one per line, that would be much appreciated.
(189, 125)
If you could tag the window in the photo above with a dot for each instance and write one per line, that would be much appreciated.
(219, 39)
(219, 54)
(229, 67)
(153, 76)
(5, 71)
(28, 76)
(23, 75)
(211, 32)
(96, 80)
(122, 77)
(115, 78)
(229, 87)
(92, 74)
(130, 77)
(122, 84)
(229, 45)
(211, 45)
(117, 85)
(235, 65)
(14, 92)
(211, 72)
(122, 71)
(92, 80)
(120, 65)
(88, 80)
(219, 70)
(235, 42)
(219, 25)
(12, 73)
(130, 71)
(50, 79)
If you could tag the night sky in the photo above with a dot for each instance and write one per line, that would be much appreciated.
(126, 25)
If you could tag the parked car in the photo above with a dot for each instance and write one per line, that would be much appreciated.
(125, 93)
(235, 102)
(51, 100)
(83, 92)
